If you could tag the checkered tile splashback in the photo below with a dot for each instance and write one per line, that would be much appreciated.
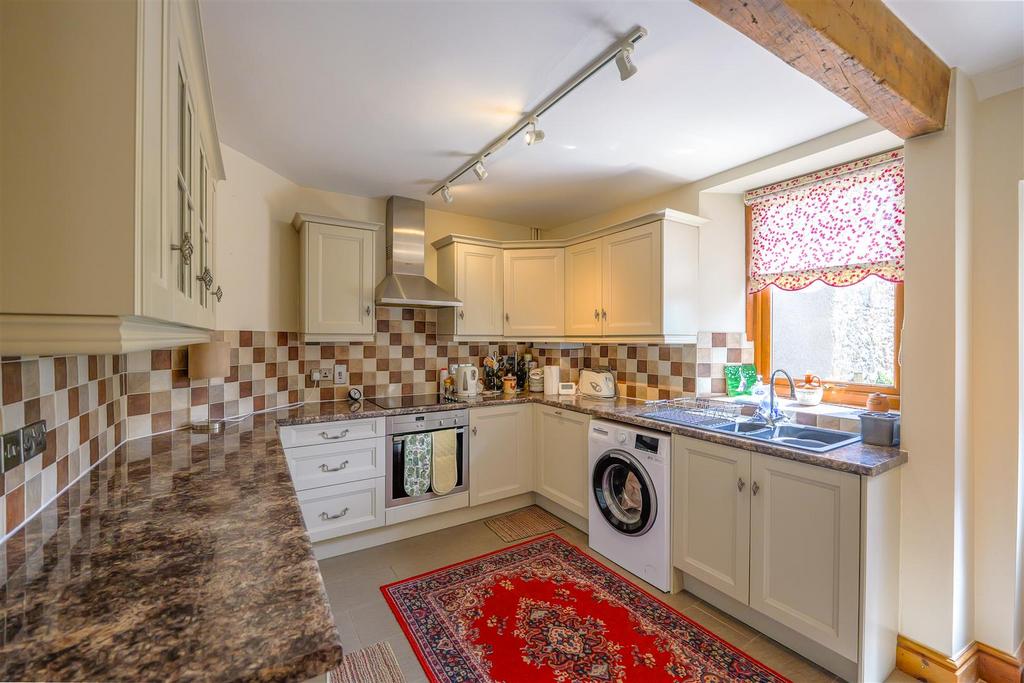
(93, 403)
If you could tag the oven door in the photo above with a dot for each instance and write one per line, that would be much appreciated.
(396, 493)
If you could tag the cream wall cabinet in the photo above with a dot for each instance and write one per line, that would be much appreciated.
(583, 289)
(533, 293)
(711, 517)
(115, 252)
(631, 288)
(337, 278)
(500, 452)
(474, 274)
(562, 449)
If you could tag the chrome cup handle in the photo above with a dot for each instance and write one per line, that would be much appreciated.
(326, 468)
(328, 437)
(324, 516)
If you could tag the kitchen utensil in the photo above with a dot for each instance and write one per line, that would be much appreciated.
(597, 383)
(878, 403)
(880, 429)
(810, 392)
(536, 380)
(508, 384)
(466, 378)
(552, 376)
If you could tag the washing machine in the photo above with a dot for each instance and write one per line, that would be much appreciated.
(629, 479)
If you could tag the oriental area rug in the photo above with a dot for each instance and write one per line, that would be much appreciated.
(544, 611)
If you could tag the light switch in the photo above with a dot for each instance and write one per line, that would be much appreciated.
(341, 374)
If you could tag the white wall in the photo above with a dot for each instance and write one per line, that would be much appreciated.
(258, 250)
(935, 551)
(995, 367)
(722, 284)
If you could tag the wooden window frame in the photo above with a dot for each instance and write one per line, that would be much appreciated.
(759, 331)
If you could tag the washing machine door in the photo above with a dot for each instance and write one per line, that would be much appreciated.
(624, 493)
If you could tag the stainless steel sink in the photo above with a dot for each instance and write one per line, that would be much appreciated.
(816, 439)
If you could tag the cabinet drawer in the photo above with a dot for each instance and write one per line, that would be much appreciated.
(331, 432)
(331, 511)
(315, 466)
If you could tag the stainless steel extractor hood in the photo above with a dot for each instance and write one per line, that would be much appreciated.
(404, 284)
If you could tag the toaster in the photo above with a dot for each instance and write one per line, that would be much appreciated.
(599, 383)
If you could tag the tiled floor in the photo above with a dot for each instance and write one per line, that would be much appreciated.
(363, 618)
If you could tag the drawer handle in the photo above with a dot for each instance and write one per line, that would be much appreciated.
(325, 468)
(739, 485)
(324, 516)
(558, 412)
(754, 488)
(473, 430)
(328, 437)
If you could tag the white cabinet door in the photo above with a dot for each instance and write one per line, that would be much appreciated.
(339, 279)
(583, 289)
(534, 292)
(479, 285)
(562, 457)
(500, 452)
(805, 550)
(632, 281)
(711, 522)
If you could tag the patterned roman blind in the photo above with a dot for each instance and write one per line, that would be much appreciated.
(839, 225)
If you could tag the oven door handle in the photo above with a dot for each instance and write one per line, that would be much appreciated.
(459, 431)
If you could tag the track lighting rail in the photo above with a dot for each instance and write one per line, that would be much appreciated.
(619, 52)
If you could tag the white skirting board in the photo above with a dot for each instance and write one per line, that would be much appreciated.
(563, 514)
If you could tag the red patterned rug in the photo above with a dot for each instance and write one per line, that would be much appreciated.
(544, 611)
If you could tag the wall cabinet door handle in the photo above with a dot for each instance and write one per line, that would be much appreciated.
(473, 430)
(740, 484)
(328, 437)
(754, 488)
(186, 249)
(506, 317)
(219, 293)
(327, 468)
(462, 315)
(604, 314)
(597, 314)
(367, 311)
(324, 516)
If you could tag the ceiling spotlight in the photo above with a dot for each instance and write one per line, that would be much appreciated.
(446, 195)
(479, 170)
(624, 60)
(534, 136)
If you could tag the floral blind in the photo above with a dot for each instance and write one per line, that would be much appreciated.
(839, 226)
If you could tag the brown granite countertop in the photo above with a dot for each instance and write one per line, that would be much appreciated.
(178, 556)
(856, 458)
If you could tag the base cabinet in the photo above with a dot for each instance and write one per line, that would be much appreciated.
(561, 437)
(805, 550)
(500, 452)
(780, 536)
(712, 525)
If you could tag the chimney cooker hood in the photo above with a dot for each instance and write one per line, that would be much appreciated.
(404, 283)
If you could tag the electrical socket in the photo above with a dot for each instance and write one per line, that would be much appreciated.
(341, 374)
(317, 375)
(33, 440)
(12, 450)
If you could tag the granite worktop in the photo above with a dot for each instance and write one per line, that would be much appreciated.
(857, 458)
(179, 556)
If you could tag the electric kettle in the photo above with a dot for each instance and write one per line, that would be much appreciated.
(466, 378)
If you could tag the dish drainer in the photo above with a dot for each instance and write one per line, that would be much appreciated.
(694, 412)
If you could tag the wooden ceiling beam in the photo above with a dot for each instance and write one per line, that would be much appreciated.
(858, 49)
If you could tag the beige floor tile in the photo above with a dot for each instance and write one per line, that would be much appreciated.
(347, 630)
(898, 676)
(786, 662)
(374, 622)
(358, 586)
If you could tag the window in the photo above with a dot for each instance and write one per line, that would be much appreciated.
(825, 259)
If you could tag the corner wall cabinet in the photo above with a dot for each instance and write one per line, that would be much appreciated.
(534, 283)
(634, 282)
(129, 222)
(473, 273)
(337, 278)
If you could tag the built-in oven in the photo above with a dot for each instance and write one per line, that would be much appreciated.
(399, 426)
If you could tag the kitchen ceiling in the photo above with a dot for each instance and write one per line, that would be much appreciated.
(380, 98)
(974, 35)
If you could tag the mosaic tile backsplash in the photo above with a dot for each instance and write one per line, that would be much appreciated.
(93, 403)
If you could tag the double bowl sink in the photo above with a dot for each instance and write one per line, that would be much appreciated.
(817, 439)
